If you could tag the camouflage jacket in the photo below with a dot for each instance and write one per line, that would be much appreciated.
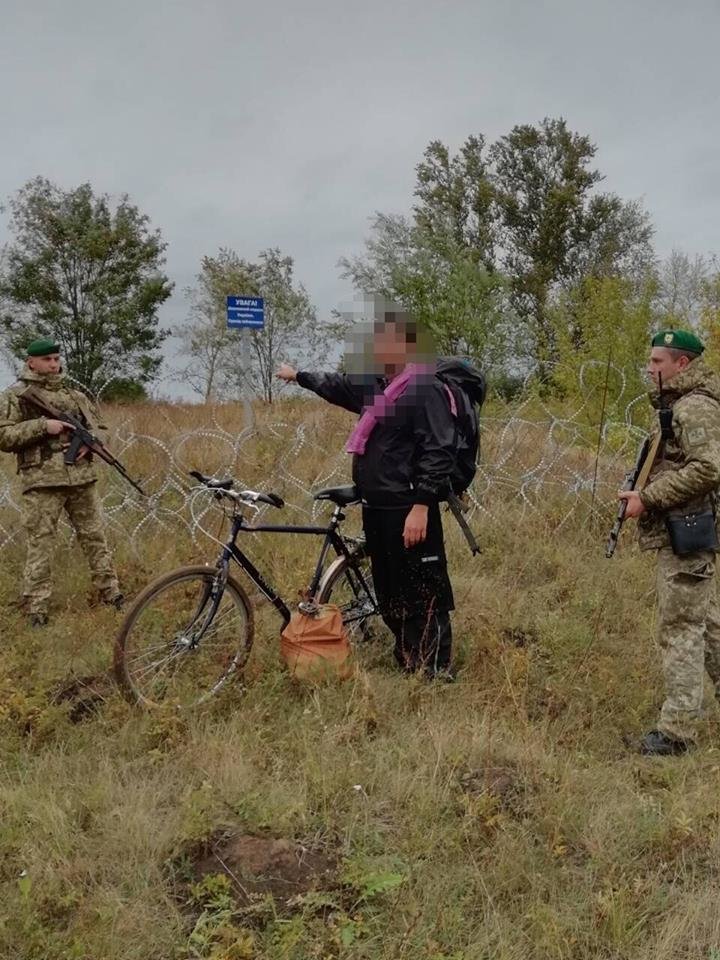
(23, 432)
(686, 474)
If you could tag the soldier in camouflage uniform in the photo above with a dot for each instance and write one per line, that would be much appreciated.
(49, 485)
(683, 484)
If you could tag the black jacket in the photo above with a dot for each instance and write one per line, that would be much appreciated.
(410, 454)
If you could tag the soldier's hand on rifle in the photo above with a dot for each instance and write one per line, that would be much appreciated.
(635, 507)
(82, 452)
(286, 372)
(56, 427)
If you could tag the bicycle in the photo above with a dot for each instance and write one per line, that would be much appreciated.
(192, 629)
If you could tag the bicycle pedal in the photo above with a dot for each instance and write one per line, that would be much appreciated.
(308, 607)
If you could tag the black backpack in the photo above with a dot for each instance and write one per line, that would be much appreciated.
(468, 387)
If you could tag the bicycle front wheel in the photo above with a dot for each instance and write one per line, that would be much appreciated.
(185, 636)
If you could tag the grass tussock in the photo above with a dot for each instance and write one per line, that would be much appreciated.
(502, 817)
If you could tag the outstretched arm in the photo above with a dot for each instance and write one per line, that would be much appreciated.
(336, 388)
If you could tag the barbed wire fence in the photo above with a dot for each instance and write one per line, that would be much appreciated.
(532, 451)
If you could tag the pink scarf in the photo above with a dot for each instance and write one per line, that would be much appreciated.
(381, 404)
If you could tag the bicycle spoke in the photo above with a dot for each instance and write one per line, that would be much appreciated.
(167, 662)
(149, 652)
(230, 613)
(180, 645)
(157, 663)
(351, 589)
(212, 630)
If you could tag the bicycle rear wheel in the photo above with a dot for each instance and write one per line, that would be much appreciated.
(343, 587)
(185, 636)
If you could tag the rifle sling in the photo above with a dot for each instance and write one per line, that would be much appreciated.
(649, 462)
(31, 397)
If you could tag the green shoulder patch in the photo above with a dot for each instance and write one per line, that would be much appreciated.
(696, 436)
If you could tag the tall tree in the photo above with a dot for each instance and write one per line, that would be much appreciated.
(87, 275)
(709, 319)
(291, 325)
(553, 228)
(528, 207)
(603, 328)
(206, 340)
(455, 199)
(683, 287)
(444, 285)
(222, 363)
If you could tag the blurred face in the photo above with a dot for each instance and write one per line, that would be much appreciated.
(390, 348)
(48, 364)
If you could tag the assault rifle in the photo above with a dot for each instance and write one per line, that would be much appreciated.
(635, 479)
(81, 440)
(638, 476)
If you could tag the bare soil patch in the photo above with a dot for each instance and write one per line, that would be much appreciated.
(261, 866)
(85, 694)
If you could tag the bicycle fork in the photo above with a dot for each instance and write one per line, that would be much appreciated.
(194, 632)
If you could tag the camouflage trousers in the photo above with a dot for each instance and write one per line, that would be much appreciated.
(688, 633)
(42, 509)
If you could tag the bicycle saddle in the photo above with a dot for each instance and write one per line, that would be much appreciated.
(342, 496)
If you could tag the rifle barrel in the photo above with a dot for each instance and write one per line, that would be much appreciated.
(645, 457)
(614, 536)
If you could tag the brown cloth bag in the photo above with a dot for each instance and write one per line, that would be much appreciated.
(316, 647)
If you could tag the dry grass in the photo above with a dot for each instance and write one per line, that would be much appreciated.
(502, 817)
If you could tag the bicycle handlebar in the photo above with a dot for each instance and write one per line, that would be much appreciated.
(224, 488)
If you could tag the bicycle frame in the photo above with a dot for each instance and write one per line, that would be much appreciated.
(332, 539)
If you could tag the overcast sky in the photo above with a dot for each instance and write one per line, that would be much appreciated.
(289, 123)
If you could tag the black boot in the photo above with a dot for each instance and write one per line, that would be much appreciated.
(659, 744)
(38, 619)
(427, 645)
(117, 601)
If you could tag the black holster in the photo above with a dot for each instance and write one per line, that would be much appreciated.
(692, 532)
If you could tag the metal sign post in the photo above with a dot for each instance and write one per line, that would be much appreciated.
(246, 314)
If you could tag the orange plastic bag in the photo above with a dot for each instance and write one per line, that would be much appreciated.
(315, 646)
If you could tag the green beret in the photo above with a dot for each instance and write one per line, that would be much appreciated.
(42, 348)
(678, 340)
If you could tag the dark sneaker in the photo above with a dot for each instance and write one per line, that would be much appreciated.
(38, 620)
(659, 744)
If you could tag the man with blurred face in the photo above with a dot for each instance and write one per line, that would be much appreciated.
(403, 449)
(676, 513)
(49, 485)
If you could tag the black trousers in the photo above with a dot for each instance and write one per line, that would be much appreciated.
(412, 588)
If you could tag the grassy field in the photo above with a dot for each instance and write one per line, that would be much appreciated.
(501, 817)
